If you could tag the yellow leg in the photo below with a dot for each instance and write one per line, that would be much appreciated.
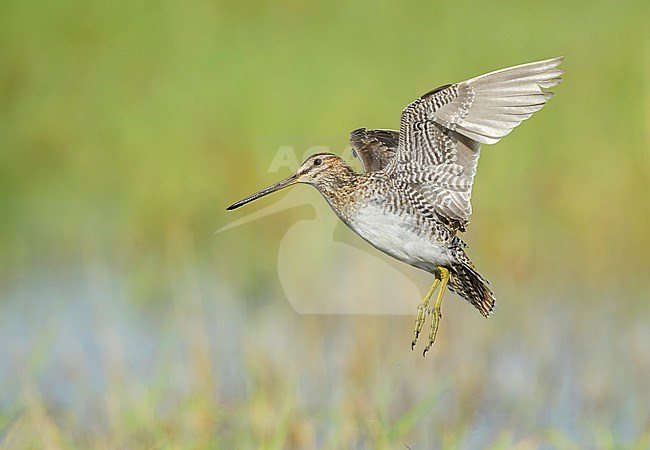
(423, 311)
(437, 313)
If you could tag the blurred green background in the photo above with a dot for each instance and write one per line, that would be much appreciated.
(126, 128)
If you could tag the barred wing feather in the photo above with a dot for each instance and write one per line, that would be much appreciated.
(374, 148)
(442, 131)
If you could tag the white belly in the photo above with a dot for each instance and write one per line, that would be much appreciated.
(400, 237)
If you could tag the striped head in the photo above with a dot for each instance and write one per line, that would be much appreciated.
(322, 170)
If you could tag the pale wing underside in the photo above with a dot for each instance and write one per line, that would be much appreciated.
(441, 133)
(374, 148)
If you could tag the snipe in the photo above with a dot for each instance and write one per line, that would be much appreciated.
(414, 195)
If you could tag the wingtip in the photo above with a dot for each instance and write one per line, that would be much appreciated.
(554, 62)
(547, 65)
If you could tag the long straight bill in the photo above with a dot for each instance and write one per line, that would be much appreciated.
(293, 179)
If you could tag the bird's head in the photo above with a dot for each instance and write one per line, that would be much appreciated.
(320, 170)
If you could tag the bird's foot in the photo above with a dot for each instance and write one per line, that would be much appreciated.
(437, 312)
(423, 312)
(435, 323)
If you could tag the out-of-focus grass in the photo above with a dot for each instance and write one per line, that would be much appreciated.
(123, 125)
(214, 374)
(127, 127)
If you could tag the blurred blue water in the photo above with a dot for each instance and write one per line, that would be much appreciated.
(73, 334)
(78, 340)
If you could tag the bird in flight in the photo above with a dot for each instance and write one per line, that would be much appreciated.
(413, 196)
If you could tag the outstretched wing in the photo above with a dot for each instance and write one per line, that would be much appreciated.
(441, 133)
(374, 148)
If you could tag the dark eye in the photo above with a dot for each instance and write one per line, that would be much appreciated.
(318, 162)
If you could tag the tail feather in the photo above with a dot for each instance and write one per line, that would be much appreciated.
(469, 284)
